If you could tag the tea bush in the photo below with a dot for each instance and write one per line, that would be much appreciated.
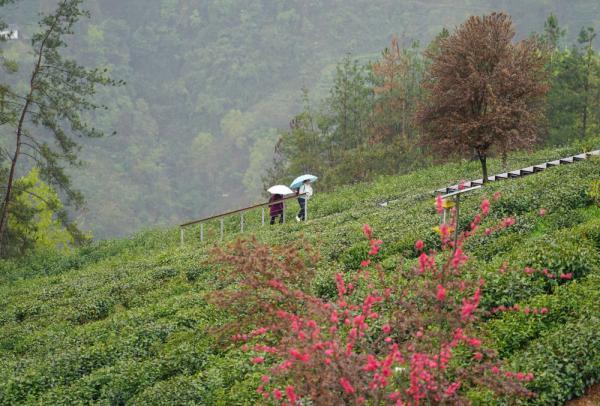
(565, 361)
(126, 321)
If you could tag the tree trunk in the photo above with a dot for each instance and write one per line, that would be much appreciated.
(482, 159)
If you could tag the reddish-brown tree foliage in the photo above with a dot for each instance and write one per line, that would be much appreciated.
(484, 92)
(389, 110)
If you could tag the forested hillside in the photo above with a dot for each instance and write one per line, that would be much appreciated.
(209, 83)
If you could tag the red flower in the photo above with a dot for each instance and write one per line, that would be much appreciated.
(478, 356)
(365, 263)
(367, 230)
(386, 328)
(419, 245)
(291, 394)
(346, 385)
(566, 275)
(542, 212)
(452, 388)
(441, 293)
(485, 207)
(439, 204)
(277, 394)
(258, 360)
(474, 342)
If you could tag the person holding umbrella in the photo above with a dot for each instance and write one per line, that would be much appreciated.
(304, 191)
(276, 206)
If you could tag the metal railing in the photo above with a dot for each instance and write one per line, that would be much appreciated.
(241, 211)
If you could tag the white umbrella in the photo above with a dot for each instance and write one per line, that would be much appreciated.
(280, 190)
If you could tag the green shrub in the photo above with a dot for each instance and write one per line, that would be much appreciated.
(514, 330)
(565, 361)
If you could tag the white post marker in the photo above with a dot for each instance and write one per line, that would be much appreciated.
(221, 229)
(283, 212)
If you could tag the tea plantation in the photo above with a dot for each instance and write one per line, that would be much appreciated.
(125, 322)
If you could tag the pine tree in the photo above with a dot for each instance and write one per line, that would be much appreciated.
(44, 118)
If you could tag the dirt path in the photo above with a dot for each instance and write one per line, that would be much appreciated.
(591, 397)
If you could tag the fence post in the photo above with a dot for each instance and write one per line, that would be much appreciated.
(242, 223)
(456, 225)
(181, 235)
(221, 229)
(263, 216)
(201, 232)
(306, 209)
(283, 213)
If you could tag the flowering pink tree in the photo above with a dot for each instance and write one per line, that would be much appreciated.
(406, 340)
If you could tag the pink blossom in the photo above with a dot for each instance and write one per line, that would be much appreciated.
(277, 394)
(495, 370)
(478, 356)
(258, 360)
(452, 389)
(488, 231)
(419, 245)
(441, 293)
(423, 262)
(474, 342)
(334, 317)
(439, 204)
(265, 378)
(544, 310)
(566, 275)
(542, 212)
(291, 394)
(485, 207)
(497, 195)
(386, 328)
(341, 286)
(367, 230)
(346, 385)
(365, 263)
(469, 306)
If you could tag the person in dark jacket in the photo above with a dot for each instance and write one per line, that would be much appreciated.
(276, 209)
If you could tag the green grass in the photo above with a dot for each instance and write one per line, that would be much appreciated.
(126, 321)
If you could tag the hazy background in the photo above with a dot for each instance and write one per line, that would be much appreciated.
(209, 82)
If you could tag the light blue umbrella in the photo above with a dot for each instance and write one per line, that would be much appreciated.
(300, 179)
